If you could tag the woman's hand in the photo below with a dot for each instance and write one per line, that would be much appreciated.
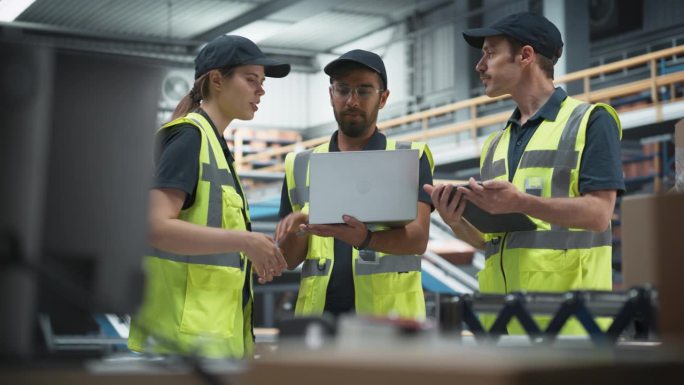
(267, 260)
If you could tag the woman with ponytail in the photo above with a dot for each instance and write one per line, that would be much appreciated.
(198, 296)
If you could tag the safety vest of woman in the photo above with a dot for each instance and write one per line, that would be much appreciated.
(551, 258)
(193, 304)
(384, 284)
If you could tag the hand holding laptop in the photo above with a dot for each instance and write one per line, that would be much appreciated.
(352, 232)
(291, 224)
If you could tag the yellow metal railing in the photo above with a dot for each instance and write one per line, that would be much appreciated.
(652, 84)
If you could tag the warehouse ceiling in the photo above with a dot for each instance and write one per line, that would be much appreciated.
(174, 29)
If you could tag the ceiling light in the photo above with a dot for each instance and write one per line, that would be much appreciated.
(261, 30)
(10, 9)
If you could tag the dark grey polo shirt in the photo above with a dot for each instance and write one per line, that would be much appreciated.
(340, 294)
(600, 166)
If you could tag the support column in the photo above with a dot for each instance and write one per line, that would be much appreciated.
(572, 19)
(464, 67)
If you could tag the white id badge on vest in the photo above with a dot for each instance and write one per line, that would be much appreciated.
(534, 186)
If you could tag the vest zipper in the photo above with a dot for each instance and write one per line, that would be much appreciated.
(501, 256)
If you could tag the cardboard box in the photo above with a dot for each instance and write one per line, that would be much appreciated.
(453, 250)
(652, 253)
(679, 156)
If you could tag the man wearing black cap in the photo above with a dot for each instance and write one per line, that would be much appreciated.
(333, 280)
(557, 160)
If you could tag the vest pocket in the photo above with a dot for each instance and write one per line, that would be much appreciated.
(309, 297)
(541, 260)
(550, 270)
(213, 298)
(232, 209)
(400, 294)
(393, 283)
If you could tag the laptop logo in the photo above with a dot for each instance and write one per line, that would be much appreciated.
(363, 186)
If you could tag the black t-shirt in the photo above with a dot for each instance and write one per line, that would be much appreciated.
(177, 159)
(177, 166)
(339, 297)
(600, 166)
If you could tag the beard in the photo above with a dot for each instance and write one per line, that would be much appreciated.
(359, 125)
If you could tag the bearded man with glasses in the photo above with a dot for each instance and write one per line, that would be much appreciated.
(358, 90)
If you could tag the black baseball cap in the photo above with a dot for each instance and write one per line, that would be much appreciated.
(233, 50)
(528, 28)
(365, 58)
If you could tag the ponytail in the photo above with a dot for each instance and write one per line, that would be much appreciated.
(192, 100)
(198, 92)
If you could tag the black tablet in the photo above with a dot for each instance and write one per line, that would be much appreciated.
(494, 223)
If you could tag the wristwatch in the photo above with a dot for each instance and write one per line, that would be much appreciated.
(366, 242)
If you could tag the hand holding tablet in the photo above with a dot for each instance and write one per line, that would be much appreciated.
(493, 223)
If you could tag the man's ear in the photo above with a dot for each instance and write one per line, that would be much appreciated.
(383, 98)
(527, 55)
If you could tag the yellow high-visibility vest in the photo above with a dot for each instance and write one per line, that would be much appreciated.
(384, 284)
(193, 304)
(550, 258)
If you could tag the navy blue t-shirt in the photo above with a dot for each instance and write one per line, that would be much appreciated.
(600, 166)
(339, 297)
(177, 167)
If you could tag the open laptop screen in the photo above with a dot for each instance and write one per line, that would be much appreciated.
(379, 187)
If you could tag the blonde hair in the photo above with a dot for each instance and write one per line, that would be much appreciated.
(198, 92)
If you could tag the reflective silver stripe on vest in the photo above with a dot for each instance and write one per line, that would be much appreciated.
(403, 146)
(566, 156)
(211, 172)
(558, 240)
(490, 170)
(389, 264)
(226, 260)
(312, 267)
(300, 194)
(216, 177)
(498, 168)
(547, 159)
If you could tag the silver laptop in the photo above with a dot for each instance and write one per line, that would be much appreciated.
(379, 187)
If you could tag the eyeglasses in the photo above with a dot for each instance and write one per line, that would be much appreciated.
(343, 92)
